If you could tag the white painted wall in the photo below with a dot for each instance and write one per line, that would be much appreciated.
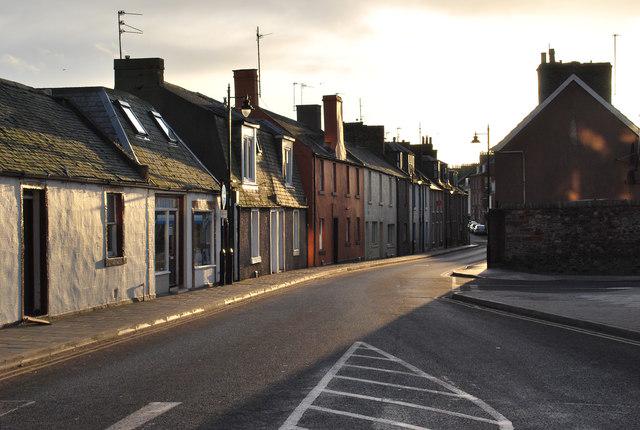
(78, 277)
(383, 211)
(10, 251)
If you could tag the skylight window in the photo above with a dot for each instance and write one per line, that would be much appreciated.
(135, 122)
(165, 127)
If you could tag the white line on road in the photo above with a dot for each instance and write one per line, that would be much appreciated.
(368, 418)
(372, 357)
(410, 405)
(143, 415)
(405, 387)
(11, 402)
(378, 369)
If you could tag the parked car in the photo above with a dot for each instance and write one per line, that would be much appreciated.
(480, 229)
(472, 225)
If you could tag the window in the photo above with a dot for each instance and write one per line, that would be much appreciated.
(321, 235)
(321, 175)
(168, 132)
(357, 182)
(255, 236)
(348, 179)
(347, 230)
(357, 230)
(380, 186)
(391, 195)
(135, 122)
(287, 161)
(296, 232)
(374, 232)
(390, 233)
(114, 231)
(202, 227)
(370, 186)
(335, 182)
(249, 155)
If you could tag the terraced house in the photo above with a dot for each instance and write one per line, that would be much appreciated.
(77, 205)
(268, 211)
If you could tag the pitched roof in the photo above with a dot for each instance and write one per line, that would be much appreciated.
(171, 165)
(372, 161)
(271, 190)
(42, 137)
(534, 113)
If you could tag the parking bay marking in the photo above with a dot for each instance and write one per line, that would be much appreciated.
(9, 406)
(143, 415)
(307, 403)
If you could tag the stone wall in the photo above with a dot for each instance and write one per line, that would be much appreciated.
(594, 237)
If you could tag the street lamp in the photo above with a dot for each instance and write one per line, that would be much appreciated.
(227, 255)
(476, 140)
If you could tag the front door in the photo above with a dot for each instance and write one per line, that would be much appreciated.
(277, 240)
(167, 243)
(335, 240)
(34, 222)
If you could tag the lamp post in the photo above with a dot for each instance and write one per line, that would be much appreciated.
(476, 140)
(227, 255)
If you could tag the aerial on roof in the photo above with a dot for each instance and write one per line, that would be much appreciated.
(143, 134)
(43, 137)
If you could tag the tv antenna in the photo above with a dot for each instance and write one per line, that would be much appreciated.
(258, 37)
(302, 86)
(125, 28)
(615, 60)
(360, 107)
(398, 133)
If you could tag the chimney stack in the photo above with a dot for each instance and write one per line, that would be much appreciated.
(543, 58)
(310, 116)
(245, 82)
(134, 74)
(333, 125)
(552, 55)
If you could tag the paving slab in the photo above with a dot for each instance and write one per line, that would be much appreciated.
(29, 344)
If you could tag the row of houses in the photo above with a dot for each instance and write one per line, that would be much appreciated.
(117, 195)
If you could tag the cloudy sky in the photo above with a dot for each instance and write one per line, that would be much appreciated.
(450, 66)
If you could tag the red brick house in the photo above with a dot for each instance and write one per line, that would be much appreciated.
(573, 146)
(333, 181)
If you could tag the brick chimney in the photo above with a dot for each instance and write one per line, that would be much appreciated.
(135, 74)
(333, 127)
(552, 74)
(245, 82)
(370, 136)
(310, 116)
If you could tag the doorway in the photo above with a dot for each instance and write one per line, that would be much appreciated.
(35, 298)
(335, 240)
(168, 240)
(277, 241)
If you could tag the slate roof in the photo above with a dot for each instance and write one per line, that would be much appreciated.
(372, 161)
(272, 191)
(42, 137)
(171, 165)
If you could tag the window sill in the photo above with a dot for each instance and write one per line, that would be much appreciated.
(204, 266)
(321, 192)
(163, 272)
(348, 195)
(248, 186)
(296, 252)
(381, 204)
(333, 193)
(115, 261)
(256, 260)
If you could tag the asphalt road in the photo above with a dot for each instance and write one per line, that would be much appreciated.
(372, 349)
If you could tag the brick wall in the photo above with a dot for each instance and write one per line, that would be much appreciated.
(595, 237)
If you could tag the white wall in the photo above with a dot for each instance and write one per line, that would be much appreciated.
(78, 277)
(10, 251)
(384, 214)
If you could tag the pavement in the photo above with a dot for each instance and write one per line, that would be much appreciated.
(606, 304)
(364, 349)
(33, 344)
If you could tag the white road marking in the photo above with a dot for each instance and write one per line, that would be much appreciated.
(366, 417)
(20, 404)
(143, 415)
(372, 357)
(378, 369)
(307, 402)
(405, 387)
(410, 405)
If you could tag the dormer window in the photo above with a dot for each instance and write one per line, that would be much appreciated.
(168, 132)
(248, 155)
(133, 119)
(287, 161)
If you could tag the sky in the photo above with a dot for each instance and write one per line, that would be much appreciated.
(445, 67)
